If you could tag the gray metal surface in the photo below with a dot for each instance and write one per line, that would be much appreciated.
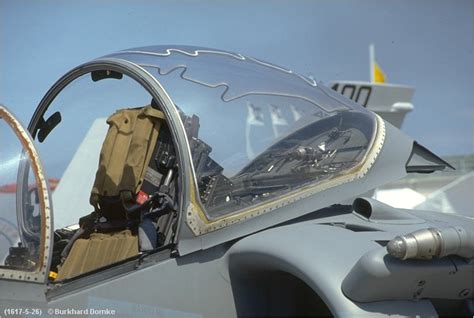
(378, 276)
(324, 272)
(201, 284)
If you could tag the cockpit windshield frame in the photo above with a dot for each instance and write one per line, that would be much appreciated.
(39, 273)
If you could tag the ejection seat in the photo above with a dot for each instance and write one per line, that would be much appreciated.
(124, 195)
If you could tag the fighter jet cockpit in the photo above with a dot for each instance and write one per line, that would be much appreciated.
(145, 144)
(163, 179)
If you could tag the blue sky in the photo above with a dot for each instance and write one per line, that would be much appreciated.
(427, 44)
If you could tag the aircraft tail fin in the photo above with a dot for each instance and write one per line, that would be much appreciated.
(376, 73)
(390, 101)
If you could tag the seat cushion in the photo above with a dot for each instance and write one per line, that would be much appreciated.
(100, 250)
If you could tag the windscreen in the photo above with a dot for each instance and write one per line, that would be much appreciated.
(256, 131)
(20, 211)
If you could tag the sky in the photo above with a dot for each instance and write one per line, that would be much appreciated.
(427, 44)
